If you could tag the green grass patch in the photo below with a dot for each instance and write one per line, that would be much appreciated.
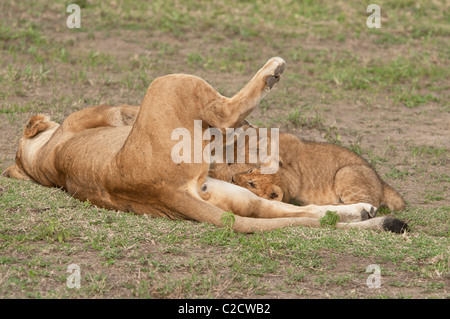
(330, 219)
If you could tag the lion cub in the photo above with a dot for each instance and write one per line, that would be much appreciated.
(321, 174)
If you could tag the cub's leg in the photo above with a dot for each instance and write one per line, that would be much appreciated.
(361, 184)
(358, 184)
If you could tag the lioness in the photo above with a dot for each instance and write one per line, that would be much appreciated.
(96, 156)
(319, 173)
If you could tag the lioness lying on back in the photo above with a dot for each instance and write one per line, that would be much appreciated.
(316, 173)
(121, 158)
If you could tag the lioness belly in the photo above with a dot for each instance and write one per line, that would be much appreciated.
(85, 161)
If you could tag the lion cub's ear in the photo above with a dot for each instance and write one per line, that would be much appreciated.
(36, 124)
(276, 194)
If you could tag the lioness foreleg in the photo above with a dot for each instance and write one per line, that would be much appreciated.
(243, 202)
(249, 217)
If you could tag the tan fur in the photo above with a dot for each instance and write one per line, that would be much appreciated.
(263, 185)
(120, 158)
(321, 174)
(36, 124)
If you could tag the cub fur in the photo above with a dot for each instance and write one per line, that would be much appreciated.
(316, 173)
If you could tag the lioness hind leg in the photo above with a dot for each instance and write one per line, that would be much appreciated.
(100, 115)
(230, 112)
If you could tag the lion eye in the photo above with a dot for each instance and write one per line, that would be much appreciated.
(251, 184)
(250, 170)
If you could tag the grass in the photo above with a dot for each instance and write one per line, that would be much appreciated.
(161, 258)
(383, 93)
(330, 219)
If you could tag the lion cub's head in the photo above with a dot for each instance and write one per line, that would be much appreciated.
(263, 185)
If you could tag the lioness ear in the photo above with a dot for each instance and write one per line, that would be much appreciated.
(276, 194)
(36, 124)
(246, 124)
